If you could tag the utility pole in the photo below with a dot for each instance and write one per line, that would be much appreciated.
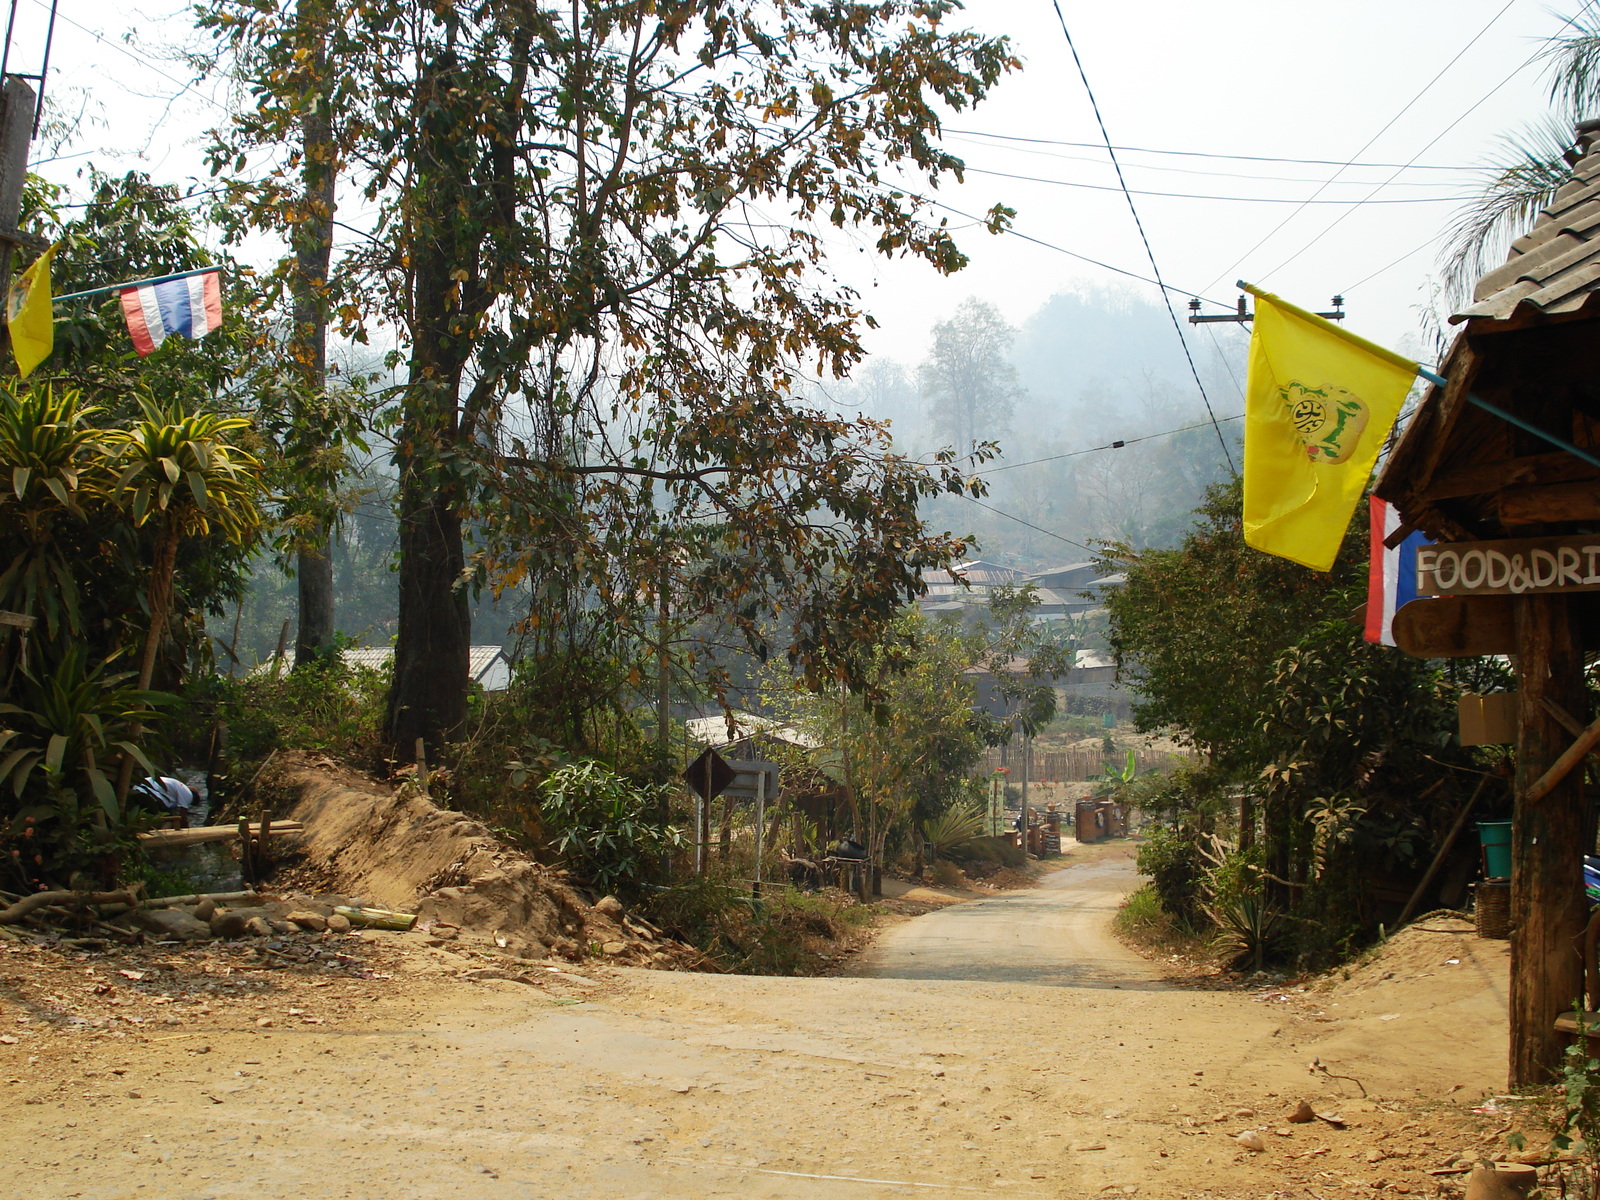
(21, 109)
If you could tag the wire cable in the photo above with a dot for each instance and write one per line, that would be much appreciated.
(968, 169)
(1389, 124)
(1036, 528)
(1139, 225)
(1309, 162)
(1438, 137)
(1116, 445)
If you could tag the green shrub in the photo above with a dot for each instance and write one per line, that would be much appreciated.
(1176, 870)
(605, 828)
(784, 932)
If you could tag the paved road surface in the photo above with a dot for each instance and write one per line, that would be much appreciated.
(1057, 935)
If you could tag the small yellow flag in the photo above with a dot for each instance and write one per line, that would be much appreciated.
(29, 315)
(1318, 406)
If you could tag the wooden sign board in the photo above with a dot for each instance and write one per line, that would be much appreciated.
(1452, 627)
(1513, 567)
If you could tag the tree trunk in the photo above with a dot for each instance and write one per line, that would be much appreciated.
(428, 698)
(1548, 910)
(314, 588)
(162, 571)
(313, 247)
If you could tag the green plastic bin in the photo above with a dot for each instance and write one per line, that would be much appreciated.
(1496, 839)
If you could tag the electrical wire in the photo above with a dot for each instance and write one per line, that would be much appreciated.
(1100, 187)
(1437, 138)
(1116, 445)
(1309, 162)
(1139, 225)
(1389, 124)
(1036, 528)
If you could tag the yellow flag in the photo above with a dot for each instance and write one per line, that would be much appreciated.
(1318, 406)
(28, 314)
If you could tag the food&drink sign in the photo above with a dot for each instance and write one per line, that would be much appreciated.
(1510, 568)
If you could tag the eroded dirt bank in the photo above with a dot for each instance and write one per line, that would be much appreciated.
(1008, 1046)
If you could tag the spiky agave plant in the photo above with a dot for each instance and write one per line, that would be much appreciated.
(951, 828)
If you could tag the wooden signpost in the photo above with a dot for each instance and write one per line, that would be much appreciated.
(1513, 567)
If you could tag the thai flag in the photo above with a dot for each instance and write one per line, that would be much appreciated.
(1392, 579)
(190, 305)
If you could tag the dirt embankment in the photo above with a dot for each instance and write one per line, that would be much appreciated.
(397, 849)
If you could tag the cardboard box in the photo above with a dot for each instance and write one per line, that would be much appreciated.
(1489, 720)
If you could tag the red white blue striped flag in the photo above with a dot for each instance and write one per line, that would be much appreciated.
(1392, 577)
(190, 305)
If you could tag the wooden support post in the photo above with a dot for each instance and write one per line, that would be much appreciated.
(1548, 909)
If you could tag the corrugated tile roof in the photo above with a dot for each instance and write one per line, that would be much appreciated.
(1555, 266)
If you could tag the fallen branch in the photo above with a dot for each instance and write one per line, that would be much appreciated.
(28, 904)
(214, 897)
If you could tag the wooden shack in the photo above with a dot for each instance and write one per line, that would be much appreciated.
(1501, 465)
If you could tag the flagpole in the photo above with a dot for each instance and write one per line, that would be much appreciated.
(123, 287)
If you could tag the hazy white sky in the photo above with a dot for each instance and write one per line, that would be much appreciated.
(1267, 78)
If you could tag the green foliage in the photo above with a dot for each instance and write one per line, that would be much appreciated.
(952, 827)
(785, 932)
(1249, 928)
(67, 728)
(1578, 1115)
(607, 829)
(327, 705)
(1176, 869)
(1213, 610)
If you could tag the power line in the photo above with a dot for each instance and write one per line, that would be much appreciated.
(1139, 225)
(1368, 145)
(137, 57)
(1310, 162)
(1256, 177)
(1100, 187)
(1037, 528)
(1116, 445)
(1094, 262)
(1439, 136)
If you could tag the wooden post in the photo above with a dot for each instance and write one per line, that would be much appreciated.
(1548, 909)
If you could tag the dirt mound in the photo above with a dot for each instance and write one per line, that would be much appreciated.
(1383, 1016)
(397, 849)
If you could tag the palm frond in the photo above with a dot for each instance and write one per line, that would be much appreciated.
(1527, 169)
(1573, 62)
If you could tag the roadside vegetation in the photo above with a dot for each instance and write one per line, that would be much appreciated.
(1330, 768)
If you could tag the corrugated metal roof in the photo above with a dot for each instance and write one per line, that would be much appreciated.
(713, 731)
(480, 659)
(1555, 266)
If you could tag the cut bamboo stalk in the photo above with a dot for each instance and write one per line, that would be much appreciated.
(377, 918)
(1559, 770)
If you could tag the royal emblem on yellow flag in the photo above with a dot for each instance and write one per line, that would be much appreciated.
(1318, 406)
(29, 316)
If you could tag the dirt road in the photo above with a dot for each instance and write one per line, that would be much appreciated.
(1007, 1046)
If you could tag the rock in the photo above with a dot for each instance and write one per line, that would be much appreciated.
(1303, 1113)
(609, 906)
(280, 926)
(338, 924)
(614, 947)
(1504, 1181)
(205, 910)
(1244, 1114)
(1252, 1141)
(171, 923)
(315, 922)
(258, 927)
